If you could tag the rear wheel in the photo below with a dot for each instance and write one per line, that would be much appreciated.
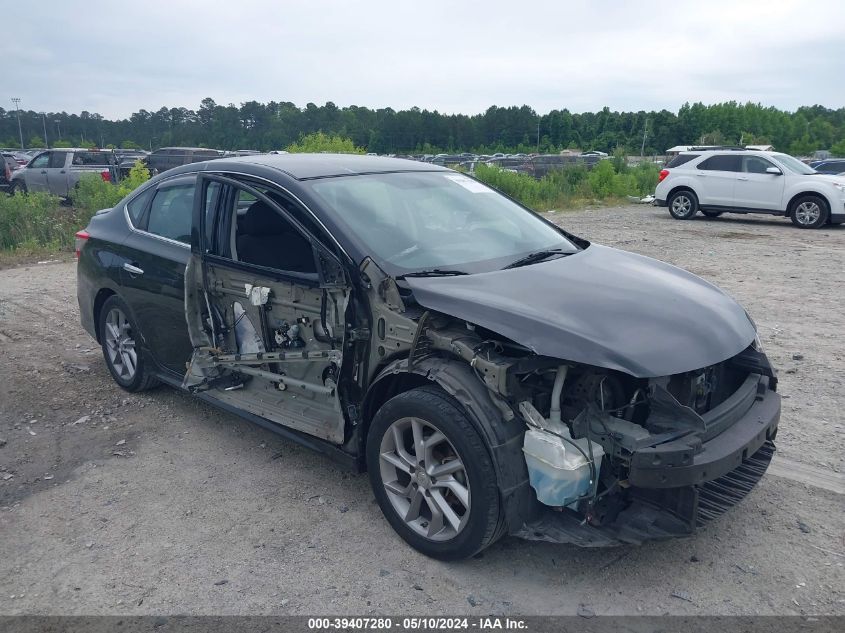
(683, 204)
(121, 347)
(432, 475)
(712, 214)
(809, 212)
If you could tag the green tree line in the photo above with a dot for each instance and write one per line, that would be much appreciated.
(276, 125)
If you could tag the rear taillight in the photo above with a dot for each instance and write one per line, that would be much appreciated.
(8, 173)
(81, 237)
(663, 174)
(106, 175)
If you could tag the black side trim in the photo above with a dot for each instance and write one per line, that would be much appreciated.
(729, 209)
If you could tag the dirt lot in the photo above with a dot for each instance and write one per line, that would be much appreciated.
(112, 503)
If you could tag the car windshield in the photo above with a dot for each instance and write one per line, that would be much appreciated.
(416, 221)
(794, 165)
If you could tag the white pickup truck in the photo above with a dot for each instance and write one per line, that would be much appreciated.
(57, 171)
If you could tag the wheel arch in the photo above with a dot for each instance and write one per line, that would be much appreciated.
(99, 300)
(683, 187)
(502, 437)
(801, 194)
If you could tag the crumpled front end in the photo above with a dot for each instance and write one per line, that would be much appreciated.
(676, 452)
(624, 425)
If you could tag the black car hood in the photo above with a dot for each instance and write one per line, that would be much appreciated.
(601, 307)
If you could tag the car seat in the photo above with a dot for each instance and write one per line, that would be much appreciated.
(266, 239)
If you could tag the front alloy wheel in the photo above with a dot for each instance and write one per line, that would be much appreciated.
(425, 479)
(809, 212)
(432, 475)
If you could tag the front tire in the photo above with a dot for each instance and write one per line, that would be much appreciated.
(809, 212)
(17, 187)
(432, 475)
(683, 204)
(120, 341)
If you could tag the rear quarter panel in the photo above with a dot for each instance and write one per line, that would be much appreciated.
(99, 265)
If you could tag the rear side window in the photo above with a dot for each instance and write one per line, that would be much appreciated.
(90, 158)
(681, 159)
(57, 160)
(171, 213)
(723, 162)
(136, 206)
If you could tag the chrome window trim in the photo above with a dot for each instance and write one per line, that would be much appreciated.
(196, 174)
(134, 229)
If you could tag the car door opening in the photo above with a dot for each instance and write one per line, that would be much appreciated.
(264, 331)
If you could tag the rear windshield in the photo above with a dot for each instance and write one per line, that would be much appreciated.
(680, 159)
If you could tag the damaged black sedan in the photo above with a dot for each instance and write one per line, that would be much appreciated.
(493, 373)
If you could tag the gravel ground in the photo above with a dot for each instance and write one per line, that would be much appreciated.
(112, 503)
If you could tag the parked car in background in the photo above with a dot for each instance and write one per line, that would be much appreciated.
(166, 158)
(830, 166)
(750, 181)
(57, 171)
(126, 159)
(23, 157)
(8, 165)
(493, 373)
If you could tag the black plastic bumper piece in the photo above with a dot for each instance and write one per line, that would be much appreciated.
(654, 513)
(657, 467)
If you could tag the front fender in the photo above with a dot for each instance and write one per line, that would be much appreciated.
(503, 437)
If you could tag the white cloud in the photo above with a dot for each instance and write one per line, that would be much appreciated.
(115, 58)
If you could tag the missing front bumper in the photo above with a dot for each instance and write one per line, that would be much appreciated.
(657, 513)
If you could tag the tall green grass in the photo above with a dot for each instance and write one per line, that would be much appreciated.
(36, 221)
(565, 188)
(40, 222)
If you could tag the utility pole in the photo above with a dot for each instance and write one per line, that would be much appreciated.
(17, 102)
(645, 133)
(58, 128)
(44, 123)
(538, 134)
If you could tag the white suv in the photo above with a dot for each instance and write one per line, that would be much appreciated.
(716, 181)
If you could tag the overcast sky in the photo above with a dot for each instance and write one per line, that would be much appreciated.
(458, 56)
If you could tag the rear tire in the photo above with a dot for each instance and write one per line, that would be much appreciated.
(120, 341)
(444, 501)
(809, 212)
(683, 204)
(711, 214)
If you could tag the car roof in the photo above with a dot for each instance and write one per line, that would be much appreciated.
(308, 166)
(727, 150)
(194, 149)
